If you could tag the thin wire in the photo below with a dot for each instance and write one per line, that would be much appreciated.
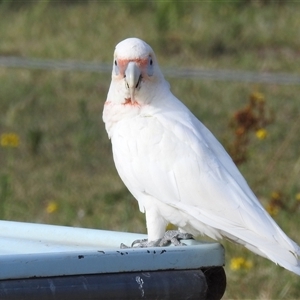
(100, 67)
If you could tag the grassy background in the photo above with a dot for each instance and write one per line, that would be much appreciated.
(64, 156)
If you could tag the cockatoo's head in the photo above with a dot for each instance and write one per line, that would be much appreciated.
(135, 71)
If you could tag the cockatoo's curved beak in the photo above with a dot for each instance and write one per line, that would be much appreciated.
(132, 78)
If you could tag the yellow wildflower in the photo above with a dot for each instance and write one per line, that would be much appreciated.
(272, 209)
(261, 133)
(276, 195)
(297, 197)
(238, 263)
(51, 207)
(9, 140)
(258, 97)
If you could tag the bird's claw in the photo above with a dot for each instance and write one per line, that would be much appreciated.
(141, 244)
(170, 237)
(174, 237)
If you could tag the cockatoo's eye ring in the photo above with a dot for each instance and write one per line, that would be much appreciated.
(150, 66)
(116, 68)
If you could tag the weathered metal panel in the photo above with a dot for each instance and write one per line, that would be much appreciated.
(36, 250)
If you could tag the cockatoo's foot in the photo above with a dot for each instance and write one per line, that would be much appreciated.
(142, 244)
(174, 237)
(170, 237)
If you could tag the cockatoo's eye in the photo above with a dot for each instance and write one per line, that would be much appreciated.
(116, 68)
(150, 66)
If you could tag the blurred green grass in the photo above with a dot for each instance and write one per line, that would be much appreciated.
(64, 155)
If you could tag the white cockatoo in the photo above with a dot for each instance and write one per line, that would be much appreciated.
(174, 166)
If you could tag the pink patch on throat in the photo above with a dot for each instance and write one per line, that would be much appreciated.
(129, 102)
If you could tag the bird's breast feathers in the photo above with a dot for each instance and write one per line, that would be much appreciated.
(152, 148)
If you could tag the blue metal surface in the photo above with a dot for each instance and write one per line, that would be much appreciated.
(36, 250)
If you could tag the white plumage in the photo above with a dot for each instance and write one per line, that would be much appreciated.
(176, 168)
